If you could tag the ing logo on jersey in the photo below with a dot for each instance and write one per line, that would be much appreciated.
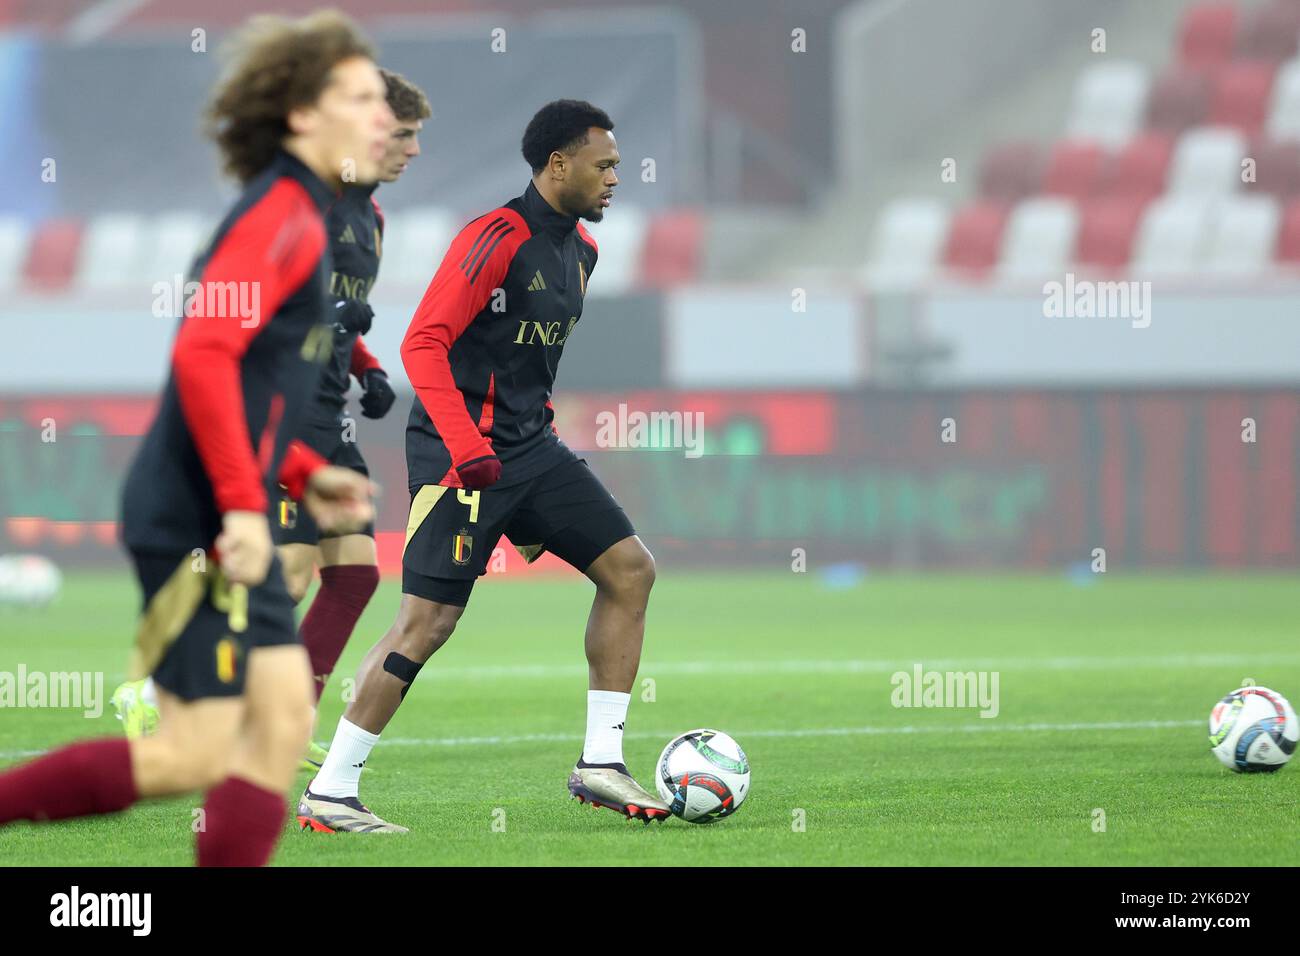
(461, 546)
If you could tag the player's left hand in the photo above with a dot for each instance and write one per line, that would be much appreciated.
(339, 499)
(379, 395)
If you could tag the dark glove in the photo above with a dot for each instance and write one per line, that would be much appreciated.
(480, 472)
(352, 315)
(379, 395)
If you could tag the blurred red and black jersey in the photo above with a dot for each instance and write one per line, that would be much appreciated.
(245, 364)
(354, 226)
(484, 345)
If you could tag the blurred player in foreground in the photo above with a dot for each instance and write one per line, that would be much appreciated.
(484, 459)
(300, 109)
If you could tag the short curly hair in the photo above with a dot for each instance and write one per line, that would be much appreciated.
(560, 125)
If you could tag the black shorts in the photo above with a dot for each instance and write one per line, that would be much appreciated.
(295, 524)
(451, 532)
(196, 630)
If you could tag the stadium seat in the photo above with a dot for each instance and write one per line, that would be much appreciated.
(1242, 235)
(1010, 172)
(621, 239)
(110, 251)
(14, 235)
(673, 248)
(1107, 228)
(1207, 162)
(1288, 238)
(174, 241)
(975, 237)
(1039, 238)
(1284, 109)
(414, 243)
(1241, 94)
(1207, 34)
(1109, 102)
(1074, 168)
(908, 238)
(52, 254)
(1277, 168)
(1270, 32)
(1179, 99)
(1172, 237)
(1140, 168)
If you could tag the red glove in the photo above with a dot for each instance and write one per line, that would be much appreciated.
(480, 472)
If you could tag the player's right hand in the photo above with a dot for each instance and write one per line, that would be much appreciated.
(480, 473)
(244, 547)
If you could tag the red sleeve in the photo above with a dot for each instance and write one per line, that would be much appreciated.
(473, 267)
(363, 360)
(300, 462)
(269, 252)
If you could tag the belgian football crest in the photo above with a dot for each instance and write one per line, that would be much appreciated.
(461, 545)
(288, 513)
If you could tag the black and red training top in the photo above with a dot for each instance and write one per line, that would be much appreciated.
(484, 345)
(245, 364)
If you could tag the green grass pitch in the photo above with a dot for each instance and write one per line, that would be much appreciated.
(1104, 691)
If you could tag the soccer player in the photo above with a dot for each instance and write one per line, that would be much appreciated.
(348, 564)
(484, 458)
(300, 107)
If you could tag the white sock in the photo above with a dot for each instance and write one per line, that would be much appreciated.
(148, 693)
(340, 774)
(606, 713)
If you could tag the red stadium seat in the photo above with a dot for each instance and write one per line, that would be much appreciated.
(672, 250)
(52, 255)
(1208, 34)
(1277, 168)
(1107, 230)
(1011, 171)
(1288, 240)
(1179, 99)
(1074, 168)
(1242, 94)
(975, 237)
(1271, 32)
(1140, 168)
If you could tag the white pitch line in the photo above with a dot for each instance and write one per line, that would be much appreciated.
(979, 726)
(983, 725)
(860, 666)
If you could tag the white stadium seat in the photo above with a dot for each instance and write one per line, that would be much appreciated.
(414, 243)
(1172, 237)
(621, 239)
(1109, 103)
(1039, 239)
(175, 239)
(1284, 111)
(110, 251)
(908, 238)
(14, 235)
(1207, 162)
(1242, 235)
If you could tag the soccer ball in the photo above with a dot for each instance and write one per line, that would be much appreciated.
(28, 580)
(1253, 730)
(703, 776)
